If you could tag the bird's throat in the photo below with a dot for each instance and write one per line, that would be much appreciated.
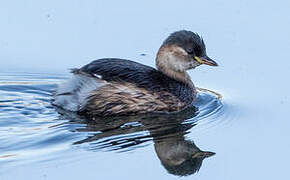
(179, 76)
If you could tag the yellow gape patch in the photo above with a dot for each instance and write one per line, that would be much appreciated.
(199, 60)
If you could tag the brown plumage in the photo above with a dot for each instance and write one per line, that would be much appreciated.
(127, 98)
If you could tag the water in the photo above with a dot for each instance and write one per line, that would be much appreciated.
(33, 132)
(248, 129)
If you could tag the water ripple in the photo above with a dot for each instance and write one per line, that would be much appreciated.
(31, 127)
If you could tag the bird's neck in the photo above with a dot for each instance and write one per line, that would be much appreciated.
(167, 67)
(179, 76)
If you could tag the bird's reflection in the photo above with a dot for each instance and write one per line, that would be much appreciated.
(179, 155)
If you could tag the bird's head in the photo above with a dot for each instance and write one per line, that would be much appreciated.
(181, 51)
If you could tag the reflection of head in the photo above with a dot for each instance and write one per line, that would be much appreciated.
(180, 157)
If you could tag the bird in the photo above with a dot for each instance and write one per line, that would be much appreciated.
(113, 86)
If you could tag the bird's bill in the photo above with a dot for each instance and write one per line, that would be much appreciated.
(203, 154)
(205, 60)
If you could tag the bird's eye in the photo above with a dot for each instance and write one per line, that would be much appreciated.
(189, 50)
(198, 51)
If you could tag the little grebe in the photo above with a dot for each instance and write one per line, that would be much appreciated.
(121, 87)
